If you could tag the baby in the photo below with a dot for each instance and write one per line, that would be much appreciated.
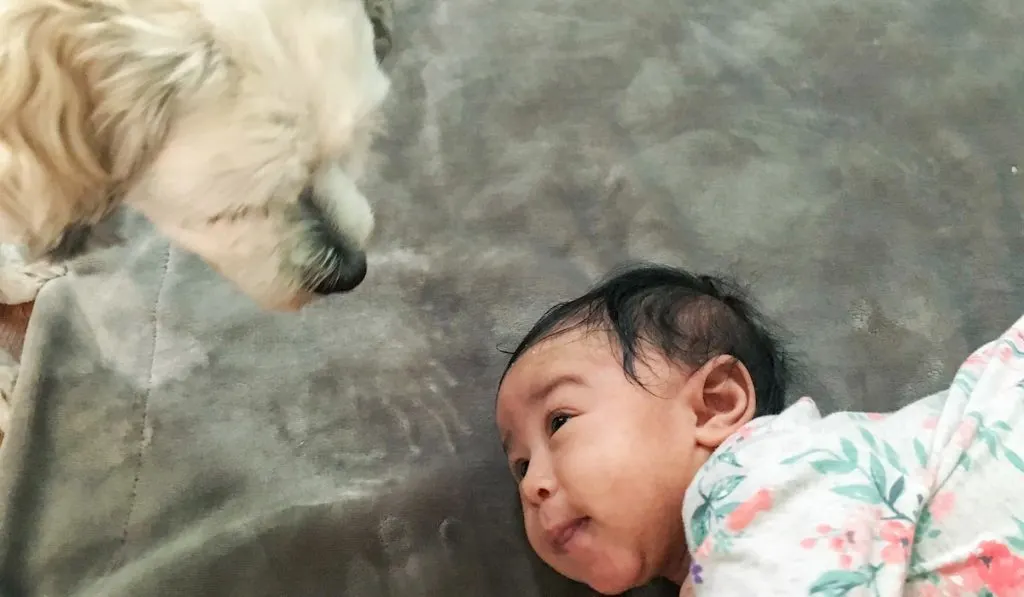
(660, 391)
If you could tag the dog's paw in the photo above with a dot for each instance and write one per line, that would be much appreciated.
(382, 16)
(19, 281)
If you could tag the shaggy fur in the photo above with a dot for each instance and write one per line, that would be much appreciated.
(239, 128)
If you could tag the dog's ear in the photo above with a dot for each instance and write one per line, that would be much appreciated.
(87, 91)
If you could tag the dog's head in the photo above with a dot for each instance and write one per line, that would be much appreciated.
(238, 128)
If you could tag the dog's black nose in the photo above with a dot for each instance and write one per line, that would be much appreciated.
(349, 273)
(337, 267)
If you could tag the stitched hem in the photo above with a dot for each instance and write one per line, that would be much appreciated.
(144, 419)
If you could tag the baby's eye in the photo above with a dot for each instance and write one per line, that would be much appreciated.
(519, 469)
(557, 421)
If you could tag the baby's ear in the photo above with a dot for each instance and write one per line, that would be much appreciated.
(723, 399)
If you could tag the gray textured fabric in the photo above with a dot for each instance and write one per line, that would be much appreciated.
(853, 161)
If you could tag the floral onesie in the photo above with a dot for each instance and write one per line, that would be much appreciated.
(925, 501)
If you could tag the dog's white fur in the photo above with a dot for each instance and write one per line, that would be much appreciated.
(20, 280)
(211, 117)
(208, 116)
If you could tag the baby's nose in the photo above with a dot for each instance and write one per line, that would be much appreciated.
(538, 485)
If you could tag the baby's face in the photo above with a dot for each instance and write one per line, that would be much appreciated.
(601, 463)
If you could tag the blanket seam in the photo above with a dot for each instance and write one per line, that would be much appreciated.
(144, 421)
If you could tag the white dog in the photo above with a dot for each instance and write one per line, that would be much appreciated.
(238, 127)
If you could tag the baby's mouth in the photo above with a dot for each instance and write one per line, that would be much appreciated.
(562, 537)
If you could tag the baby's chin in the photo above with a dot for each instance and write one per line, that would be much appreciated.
(612, 573)
(613, 584)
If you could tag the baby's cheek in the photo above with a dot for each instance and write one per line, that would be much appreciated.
(532, 531)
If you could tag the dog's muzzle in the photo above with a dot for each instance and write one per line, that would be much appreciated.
(338, 266)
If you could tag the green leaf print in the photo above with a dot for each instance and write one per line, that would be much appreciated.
(711, 510)
(726, 509)
(701, 523)
(965, 461)
(878, 475)
(798, 457)
(849, 449)
(724, 487)
(722, 541)
(840, 467)
(729, 458)
(1001, 425)
(964, 381)
(1020, 525)
(870, 439)
(839, 583)
(863, 493)
(924, 522)
(990, 440)
(922, 454)
(894, 458)
(1016, 543)
(924, 530)
(1014, 459)
(896, 490)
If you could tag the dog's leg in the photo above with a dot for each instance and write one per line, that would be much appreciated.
(382, 15)
(20, 281)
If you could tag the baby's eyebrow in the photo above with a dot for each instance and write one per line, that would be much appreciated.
(539, 395)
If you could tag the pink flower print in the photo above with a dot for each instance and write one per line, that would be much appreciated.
(965, 579)
(745, 432)
(980, 357)
(1001, 571)
(931, 422)
(992, 566)
(941, 505)
(875, 416)
(929, 591)
(898, 537)
(704, 549)
(854, 539)
(964, 434)
(861, 525)
(744, 514)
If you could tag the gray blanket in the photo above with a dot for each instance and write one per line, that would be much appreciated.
(855, 162)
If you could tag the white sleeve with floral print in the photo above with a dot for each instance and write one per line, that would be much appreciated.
(925, 501)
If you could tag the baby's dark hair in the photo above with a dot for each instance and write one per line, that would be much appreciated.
(686, 317)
